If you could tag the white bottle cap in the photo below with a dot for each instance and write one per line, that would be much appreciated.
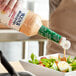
(65, 43)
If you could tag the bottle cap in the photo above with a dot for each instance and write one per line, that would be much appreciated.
(65, 43)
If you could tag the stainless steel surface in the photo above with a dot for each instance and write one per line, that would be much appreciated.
(13, 35)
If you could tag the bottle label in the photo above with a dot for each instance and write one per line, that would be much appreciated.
(15, 19)
(44, 31)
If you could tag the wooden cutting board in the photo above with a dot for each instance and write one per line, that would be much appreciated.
(16, 65)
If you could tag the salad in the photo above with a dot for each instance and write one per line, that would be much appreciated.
(63, 64)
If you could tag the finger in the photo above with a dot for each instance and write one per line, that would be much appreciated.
(3, 4)
(10, 6)
(1, 1)
(16, 6)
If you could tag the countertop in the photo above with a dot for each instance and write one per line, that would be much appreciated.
(16, 65)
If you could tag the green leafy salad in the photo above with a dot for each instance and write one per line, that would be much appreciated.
(63, 64)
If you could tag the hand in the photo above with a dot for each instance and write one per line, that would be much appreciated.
(8, 6)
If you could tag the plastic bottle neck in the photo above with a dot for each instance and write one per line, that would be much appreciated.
(46, 32)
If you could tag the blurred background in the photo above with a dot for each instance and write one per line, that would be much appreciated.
(16, 50)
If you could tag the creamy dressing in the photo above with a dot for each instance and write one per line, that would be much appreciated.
(64, 53)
